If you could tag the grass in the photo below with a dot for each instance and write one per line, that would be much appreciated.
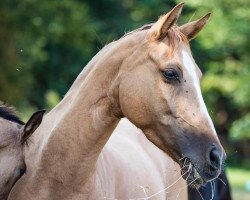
(237, 178)
(238, 194)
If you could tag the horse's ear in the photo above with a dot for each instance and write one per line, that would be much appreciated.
(191, 29)
(32, 124)
(160, 28)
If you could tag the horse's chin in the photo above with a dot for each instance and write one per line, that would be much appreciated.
(191, 174)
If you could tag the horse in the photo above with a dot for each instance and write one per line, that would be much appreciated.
(13, 136)
(149, 77)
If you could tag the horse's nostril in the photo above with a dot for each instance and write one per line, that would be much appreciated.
(214, 159)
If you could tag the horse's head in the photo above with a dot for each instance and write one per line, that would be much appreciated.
(13, 135)
(160, 93)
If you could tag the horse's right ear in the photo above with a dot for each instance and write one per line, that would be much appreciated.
(191, 29)
(32, 124)
(160, 28)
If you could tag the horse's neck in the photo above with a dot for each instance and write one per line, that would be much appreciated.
(81, 77)
(73, 134)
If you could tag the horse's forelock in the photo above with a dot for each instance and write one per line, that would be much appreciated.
(176, 39)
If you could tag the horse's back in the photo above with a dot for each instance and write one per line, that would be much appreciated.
(131, 167)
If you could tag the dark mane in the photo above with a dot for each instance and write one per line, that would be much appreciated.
(9, 114)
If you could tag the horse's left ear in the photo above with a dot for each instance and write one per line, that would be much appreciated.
(160, 28)
(32, 124)
(191, 29)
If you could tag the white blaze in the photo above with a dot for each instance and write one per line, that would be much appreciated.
(190, 69)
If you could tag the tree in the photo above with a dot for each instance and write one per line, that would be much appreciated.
(45, 44)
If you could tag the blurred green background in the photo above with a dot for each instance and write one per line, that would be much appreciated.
(45, 44)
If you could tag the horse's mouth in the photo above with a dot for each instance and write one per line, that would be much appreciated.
(191, 174)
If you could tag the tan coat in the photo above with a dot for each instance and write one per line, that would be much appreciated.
(149, 77)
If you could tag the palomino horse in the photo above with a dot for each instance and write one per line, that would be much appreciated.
(149, 77)
(13, 136)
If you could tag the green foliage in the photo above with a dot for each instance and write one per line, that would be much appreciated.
(52, 99)
(241, 128)
(222, 51)
(45, 44)
(54, 38)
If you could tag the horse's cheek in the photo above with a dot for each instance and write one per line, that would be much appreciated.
(134, 103)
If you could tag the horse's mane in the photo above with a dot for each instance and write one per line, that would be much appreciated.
(8, 113)
(174, 35)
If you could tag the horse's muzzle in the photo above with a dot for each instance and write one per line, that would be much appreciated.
(198, 173)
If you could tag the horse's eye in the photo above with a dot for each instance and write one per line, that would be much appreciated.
(171, 74)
